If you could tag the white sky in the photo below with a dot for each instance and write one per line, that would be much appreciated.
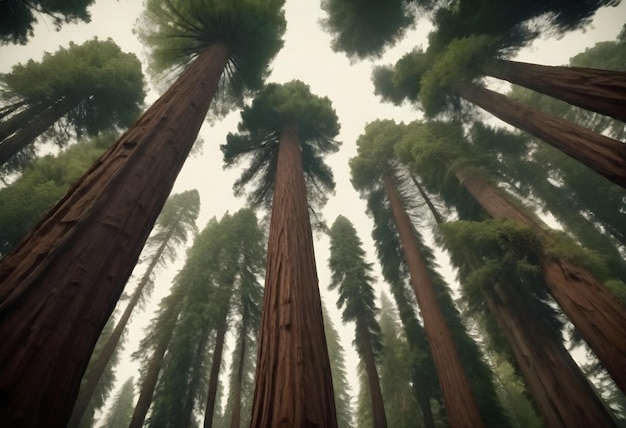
(306, 56)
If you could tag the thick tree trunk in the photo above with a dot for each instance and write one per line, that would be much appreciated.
(562, 393)
(60, 285)
(367, 353)
(235, 421)
(460, 403)
(152, 374)
(190, 402)
(215, 372)
(86, 392)
(597, 314)
(604, 155)
(20, 120)
(293, 378)
(602, 91)
(34, 128)
(11, 108)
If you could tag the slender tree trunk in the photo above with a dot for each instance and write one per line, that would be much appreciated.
(195, 379)
(215, 372)
(235, 421)
(367, 353)
(460, 403)
(59, 286)
(604, 155)
(20, 120)
(431, 207)
(602, 91)
(562, 393)
(293, 378)
(86, 392)
(34, 128)
(152, 375)
(597, 314)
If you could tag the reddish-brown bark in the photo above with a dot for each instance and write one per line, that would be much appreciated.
(376, 397)
(27, 134)
(562, 393)
(460, 404)
(60, 285)
(293, 378)
(604, 155)
(595, 312)
(215, 372)
(602, 91)
(235, 420)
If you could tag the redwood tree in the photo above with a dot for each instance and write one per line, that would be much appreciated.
(61, 283)
(286, 131)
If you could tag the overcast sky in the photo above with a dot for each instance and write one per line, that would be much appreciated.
(306, 56)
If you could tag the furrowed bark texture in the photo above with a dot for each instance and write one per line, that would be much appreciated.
(214, 376)
(460, 404)
(152, 375)
(602, 91)
(293, 378)
(235, 421)
(86, 392)
(60, 285)
(561, 391)
(378, 409)
(20, 120)
(33, 129)
(597, 314)
(604, 155)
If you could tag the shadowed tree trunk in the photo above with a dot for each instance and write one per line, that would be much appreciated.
(293, 378)
(378, 409)
(10, 108)
(596, 313)
(60, 285)
(235, 421)
(602, 91)
(20, 120)
(100, 364)
(152, 374)
(460, 403)
(561, 391)
(195, 378)
(34, 128)
(215, 372)
(604, 155)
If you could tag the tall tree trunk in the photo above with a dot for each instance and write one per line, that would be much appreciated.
(293, 378)
(195, 379)
(235, 421)
(21, 119)
(152, 374)
(562, 393)
(602, 91)
(60, 285)
(597, 314)
(460, 403)
(34, 128)
(86, 392)
(10, 108)
(604, 155)
(215, 372)
(429, 203)
(367, 353)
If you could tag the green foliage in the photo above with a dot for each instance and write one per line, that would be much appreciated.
(105, 83)
(42, 184)
(563, 247)
(363, 29)
(259, 135)
(402, 80)
(18, 16)
(121, 411)
(351, 275)
(177, 31)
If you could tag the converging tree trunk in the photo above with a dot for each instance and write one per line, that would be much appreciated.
(235, 421)
(20, 120)
(293, 378)
(596, 313)
(60, 285)
(194, 379)
(604, 155)
(34, 128)
(602, 91)
(215, 372)
(460, 403)
(373, 382)
(561, 391)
